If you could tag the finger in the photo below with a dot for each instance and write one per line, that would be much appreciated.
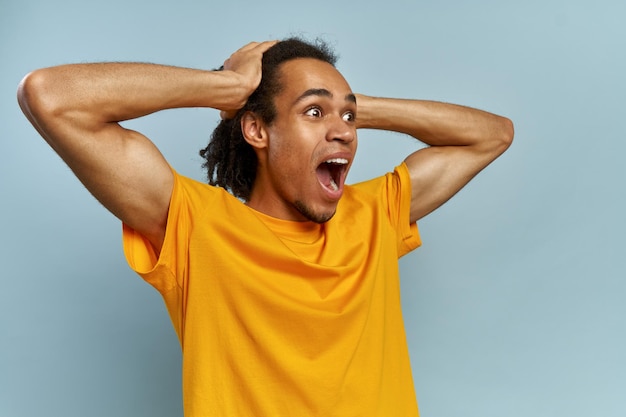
(264, 46)
(248, 46)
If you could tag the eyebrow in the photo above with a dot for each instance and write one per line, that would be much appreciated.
(322, 92)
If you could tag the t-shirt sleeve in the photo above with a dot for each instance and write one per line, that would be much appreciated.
(166, 271)
(399, 200)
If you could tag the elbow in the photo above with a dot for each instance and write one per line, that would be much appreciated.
(26, 92)
(508, 131)
(35, 98)
(503, 136)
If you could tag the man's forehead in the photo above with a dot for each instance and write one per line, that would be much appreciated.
(307, 77)
(322, 92)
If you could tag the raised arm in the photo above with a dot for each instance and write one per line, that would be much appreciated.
(462, 142)
(76, 109)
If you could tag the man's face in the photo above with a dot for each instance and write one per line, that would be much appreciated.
(311, 143)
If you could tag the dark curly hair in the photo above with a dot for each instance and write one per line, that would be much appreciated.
(230, 161)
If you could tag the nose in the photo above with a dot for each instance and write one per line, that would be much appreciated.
(340, 130)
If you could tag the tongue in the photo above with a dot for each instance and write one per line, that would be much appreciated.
(325, 178)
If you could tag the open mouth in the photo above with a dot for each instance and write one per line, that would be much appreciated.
(331, 174)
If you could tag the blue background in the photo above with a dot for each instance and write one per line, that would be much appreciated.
(515, 303)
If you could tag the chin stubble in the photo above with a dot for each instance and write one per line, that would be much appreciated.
(309, 214)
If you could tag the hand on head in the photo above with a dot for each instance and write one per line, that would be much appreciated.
(246, 63)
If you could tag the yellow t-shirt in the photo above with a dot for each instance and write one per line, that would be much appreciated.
(279, 318)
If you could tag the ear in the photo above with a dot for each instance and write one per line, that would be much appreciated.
(253, 130)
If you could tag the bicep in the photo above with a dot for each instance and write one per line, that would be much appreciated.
(439, 172)
(122, 169)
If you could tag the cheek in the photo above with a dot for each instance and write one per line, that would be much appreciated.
(291, 151)
(286, 162)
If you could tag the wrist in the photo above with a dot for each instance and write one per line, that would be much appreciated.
(371, 112)
(230, 90)
(364, 113)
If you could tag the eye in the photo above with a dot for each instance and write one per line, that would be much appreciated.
(349, 116)
(314, 112)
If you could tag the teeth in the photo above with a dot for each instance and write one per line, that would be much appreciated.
(341, 161)
(333, 185)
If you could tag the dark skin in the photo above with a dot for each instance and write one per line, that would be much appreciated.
(77, 109)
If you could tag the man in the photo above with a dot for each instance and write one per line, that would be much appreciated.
(285, 293)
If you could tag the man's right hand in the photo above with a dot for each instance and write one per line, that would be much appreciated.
(246, 64)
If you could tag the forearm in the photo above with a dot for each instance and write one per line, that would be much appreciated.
(112, 92)
(434, 123)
